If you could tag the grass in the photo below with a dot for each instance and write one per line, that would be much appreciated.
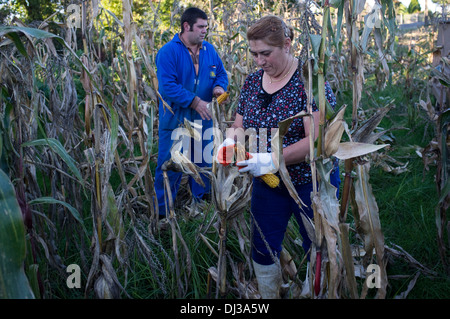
(407, 201)
(407, 211)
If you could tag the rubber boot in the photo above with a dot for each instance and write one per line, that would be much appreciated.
(306, 290)
(269, 280)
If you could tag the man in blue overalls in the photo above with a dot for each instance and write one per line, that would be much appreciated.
(190, 73)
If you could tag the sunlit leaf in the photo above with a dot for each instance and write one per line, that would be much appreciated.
(348, 150)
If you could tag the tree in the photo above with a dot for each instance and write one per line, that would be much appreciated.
(38, 10)
(414, 6)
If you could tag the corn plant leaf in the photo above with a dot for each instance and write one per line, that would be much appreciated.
(348, 150)
(114, 123)
(14, 36)
(340, 15)
(35, 33)
(368, 222)
(50, 200)
(42, 35)
(326, 205)
(13, 281)
(316, 40)
(283, 127)
(445, 191)
(277, 147)
(56, 146)
(444, 125)
(333, 133)
(364, 133)
(114, 217)
(370, 21)
(327, 194)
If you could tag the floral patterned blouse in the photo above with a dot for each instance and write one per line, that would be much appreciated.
(262, 111)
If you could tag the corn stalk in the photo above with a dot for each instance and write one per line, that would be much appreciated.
(331, 254)
(230, 194)
(84, 150)
(437, 151)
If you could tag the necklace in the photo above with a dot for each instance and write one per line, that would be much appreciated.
(270, 78)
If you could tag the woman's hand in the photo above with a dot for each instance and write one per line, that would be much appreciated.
(225, 152)
(258, 164)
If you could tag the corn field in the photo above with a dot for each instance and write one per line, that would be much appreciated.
(79, 142)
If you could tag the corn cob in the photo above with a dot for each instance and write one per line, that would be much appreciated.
(222, 98)
(271, 180)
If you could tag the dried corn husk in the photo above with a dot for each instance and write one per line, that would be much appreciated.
(333, 133)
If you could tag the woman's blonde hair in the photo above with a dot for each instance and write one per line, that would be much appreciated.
(270, 29)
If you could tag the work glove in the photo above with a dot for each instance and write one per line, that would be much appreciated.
(225, 153)
(258, 164)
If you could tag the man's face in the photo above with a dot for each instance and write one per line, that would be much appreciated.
(197, 33)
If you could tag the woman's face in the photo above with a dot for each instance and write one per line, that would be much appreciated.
(270, 58)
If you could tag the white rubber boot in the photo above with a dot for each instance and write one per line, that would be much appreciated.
(269, 280)
(306, 290)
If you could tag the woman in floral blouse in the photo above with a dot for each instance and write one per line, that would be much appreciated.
(272, 94)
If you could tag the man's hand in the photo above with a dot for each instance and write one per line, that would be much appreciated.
(201, 107)
(218, 91)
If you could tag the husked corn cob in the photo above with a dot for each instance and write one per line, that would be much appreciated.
(222, 98)
(271, 180)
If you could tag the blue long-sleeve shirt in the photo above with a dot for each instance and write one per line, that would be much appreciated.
(179, 84)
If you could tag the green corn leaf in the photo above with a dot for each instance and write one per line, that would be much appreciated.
(316, 40)
(19, 45)
(51, 200)
(13, 281)
(340, 15)
(35, 33)
(56, 146)
(13, 31)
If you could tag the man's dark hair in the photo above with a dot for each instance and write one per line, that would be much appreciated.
(191, 15)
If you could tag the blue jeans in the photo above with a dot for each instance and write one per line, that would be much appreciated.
(165, 143)
(272, 209)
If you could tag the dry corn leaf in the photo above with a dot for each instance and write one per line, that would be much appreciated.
(411, 284)
(333, 133)
(327, 206)
(180, 163)
(364, 133)
(193, 130)
(277, 147)
(348, 150)
(368, 222)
